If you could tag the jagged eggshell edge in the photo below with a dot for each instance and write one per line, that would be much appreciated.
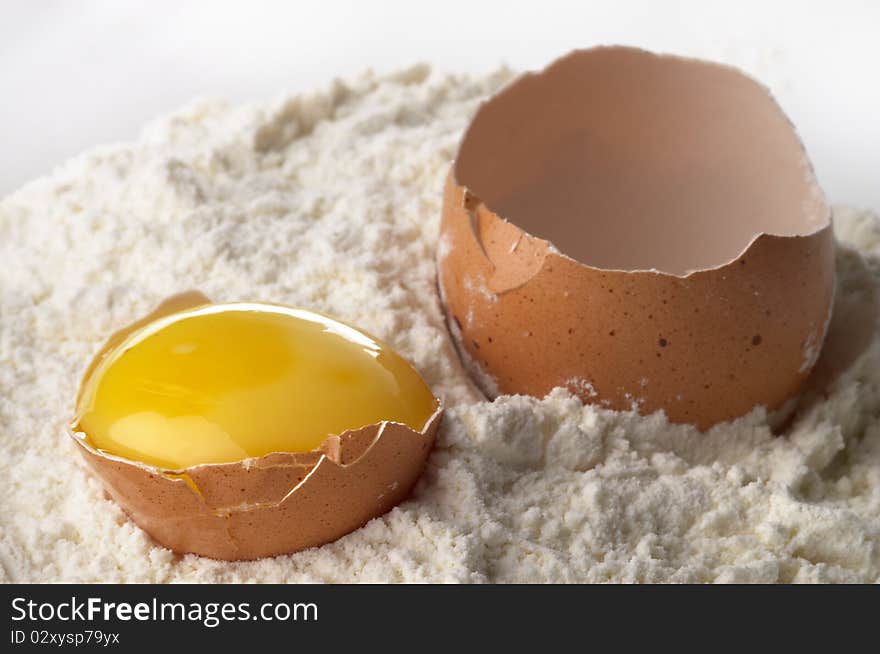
(275, 504)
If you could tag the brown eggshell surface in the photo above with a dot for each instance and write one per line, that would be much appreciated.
(644, 230)
(275, 504)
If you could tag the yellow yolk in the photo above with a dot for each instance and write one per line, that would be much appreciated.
(221, 383)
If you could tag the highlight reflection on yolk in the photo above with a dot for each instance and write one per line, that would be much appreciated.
(221, 383)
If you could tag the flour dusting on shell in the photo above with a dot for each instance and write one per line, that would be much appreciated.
(331, 201)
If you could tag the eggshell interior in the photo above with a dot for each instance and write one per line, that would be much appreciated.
(643, 230)
(627, 160)
(275, 504)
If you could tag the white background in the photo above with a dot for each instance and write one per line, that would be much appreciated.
(78, 73)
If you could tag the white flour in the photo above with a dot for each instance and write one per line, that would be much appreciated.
(331, 202)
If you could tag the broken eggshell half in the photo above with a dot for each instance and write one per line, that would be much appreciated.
(274, 504)
(644, 230)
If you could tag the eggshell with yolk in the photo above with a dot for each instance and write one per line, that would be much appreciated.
(275, 504)
(643, 230)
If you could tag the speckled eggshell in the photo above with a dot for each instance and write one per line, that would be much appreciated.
(275, 504)
(704, 345)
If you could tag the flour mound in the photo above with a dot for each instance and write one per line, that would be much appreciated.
(331, 201)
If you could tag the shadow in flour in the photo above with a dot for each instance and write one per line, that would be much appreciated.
(855, 323)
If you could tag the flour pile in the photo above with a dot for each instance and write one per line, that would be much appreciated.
(331, 202)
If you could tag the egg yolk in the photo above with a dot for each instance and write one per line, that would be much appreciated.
(221, 383)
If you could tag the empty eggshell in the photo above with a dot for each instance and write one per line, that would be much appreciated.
(278, 503)
(644, 230)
